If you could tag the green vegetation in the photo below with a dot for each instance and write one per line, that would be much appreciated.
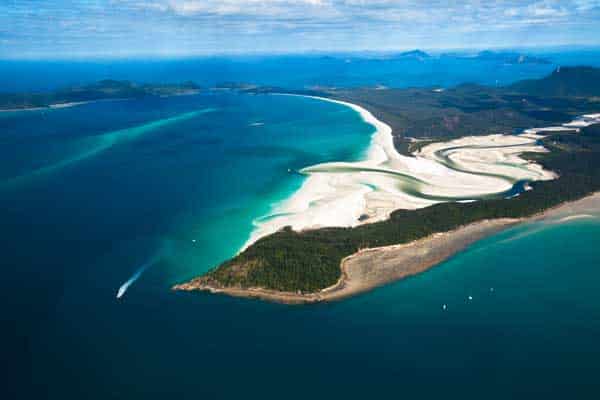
(470, 109)
(106, 89)
(464, 110)
(309, 261)
(565, 81)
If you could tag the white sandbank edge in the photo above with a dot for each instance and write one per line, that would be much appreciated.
(346, 200)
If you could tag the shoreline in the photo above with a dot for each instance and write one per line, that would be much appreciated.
(55, 106)
(470, 166)
(370, 268)
(69, 104)
(380, 149)
(352, 193)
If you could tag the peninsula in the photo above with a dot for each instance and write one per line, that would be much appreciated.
(560, 163)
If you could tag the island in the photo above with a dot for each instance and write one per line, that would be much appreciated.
(558, 112)
(102, 90)
(509, 57)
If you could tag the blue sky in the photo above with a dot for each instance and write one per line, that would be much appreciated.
(121, 28)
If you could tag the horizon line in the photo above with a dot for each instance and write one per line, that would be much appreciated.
(240, 53)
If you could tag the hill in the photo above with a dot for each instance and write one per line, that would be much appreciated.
(564, 81)
(471, 109)
(415, 54)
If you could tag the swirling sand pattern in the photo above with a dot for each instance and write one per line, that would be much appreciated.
(346, 194)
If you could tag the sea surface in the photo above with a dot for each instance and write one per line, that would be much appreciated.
(293, 71)
(129, 197)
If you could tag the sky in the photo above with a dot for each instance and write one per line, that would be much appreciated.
(125, 28)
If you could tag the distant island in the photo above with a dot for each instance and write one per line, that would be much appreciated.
(510, 57)
(324, 264)
(503, 57)
(415, 54)
(103, 90)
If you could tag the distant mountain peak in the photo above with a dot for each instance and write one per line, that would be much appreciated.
(563, 81)
(414, 54)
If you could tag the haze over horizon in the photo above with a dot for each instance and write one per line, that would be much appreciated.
(164, 28)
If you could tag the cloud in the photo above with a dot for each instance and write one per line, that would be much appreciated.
(430, 11)
(217, 25)
(228, 7)
(500, 13)
(586, 5)
(538, 13)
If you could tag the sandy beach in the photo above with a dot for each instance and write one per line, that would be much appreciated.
(371, 268)
(353, 193)
(61, 105)
(49, 107)
(347, 194)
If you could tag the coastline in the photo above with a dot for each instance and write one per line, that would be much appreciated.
(57, 105)
(380, 149)
(54, 106)
(69, 104)
(370, 268)
(459, 164)
(352, 193)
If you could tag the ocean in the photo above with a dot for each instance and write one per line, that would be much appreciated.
(129, 197)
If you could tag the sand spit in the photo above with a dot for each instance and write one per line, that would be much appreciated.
(59, 105)
(344, 193)
(371, 268)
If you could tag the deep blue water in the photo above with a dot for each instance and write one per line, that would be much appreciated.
(290, 71)
(90, 194)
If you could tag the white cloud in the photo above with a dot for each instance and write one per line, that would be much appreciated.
(298, 24)
(240, 7)
(545, 9)
(586, 5)
(430, 12)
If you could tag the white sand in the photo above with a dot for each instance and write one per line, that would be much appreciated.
(346, 194)
(69, 104)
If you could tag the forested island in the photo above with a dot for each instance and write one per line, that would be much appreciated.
(102, 90)
(309, 261)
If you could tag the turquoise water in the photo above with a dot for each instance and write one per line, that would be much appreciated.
(207, 165)
(156, 191)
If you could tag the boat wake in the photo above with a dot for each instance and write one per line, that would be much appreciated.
(123, 288)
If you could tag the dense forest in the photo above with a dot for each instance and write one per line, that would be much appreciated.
(309, 261)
